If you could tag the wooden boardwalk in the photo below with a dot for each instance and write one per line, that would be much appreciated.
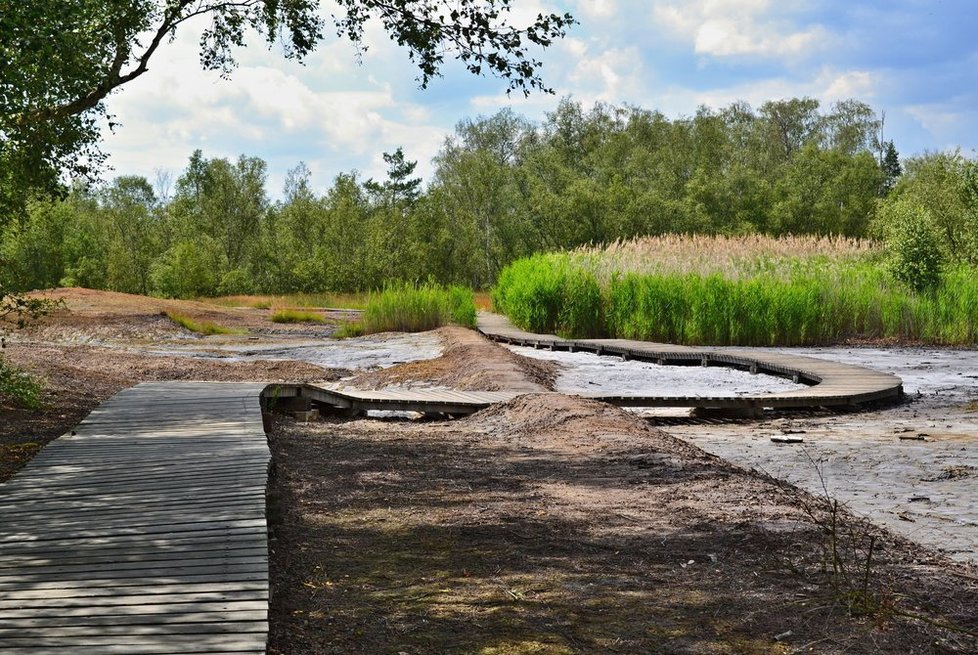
(829, 384)
(142, 531)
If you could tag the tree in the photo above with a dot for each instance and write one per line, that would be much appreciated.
(890, 165)
(400, 187)
(129, 207)
(913, 243)
(852, 126)
(60, 60)
(790, 124)
(477, 177)
(944, 184)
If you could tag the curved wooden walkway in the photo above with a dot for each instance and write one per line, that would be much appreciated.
(142, 531)
(830, 384)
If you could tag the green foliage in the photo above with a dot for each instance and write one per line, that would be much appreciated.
(400, 187)
(531, 292)
(414, 308)
(295, 316)
(890, 167)
(61, 60)
(17, 311)
(187, 270)
(200, 327)
(795, 302)
(944, 185)
(914, 245)
(18, 386)
(503, 188)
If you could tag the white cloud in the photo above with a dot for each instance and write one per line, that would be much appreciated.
(331, 117)
(723, 28)
(946, 124)
(827, 86)
(671, 55)
(596, 9)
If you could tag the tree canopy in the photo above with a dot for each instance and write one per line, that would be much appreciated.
(503, 188)
(60, 59)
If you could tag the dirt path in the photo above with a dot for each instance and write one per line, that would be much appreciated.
(469, 363)
(554, 525)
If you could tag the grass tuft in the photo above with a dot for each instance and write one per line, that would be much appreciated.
(349, 330)
(200, 327)
(405, 307)
(296, 316)
(19, 387)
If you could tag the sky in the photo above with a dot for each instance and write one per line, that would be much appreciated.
(915, 60)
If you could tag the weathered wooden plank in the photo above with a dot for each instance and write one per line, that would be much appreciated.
(131, 599)
(142, 532)
(255, 560)
(140, 612)
(58, 647)
(116, 543)
(202, 590)
(175, 529)
(231, 616)
(184, 577)
(210, 628)
(197, 479)
(111, 506)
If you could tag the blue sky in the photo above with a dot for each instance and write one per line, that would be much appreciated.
(917, 60)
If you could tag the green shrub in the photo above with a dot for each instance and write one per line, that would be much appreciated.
(296, 316)
(914, 245)
(18, 386)
(529, 291)
(405, 307)
(187, 270)
(582, 309)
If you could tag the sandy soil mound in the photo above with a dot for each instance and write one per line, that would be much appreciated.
(469, 362)
(553, 525)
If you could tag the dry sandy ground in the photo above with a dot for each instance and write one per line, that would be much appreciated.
(90, 350)
(548, 525)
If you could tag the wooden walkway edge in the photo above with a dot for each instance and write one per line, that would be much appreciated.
(142, 531)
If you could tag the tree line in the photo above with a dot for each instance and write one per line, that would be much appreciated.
(503, 187)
